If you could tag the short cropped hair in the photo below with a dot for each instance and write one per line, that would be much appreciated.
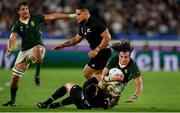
(22, 2)
(82, 8)
(123, 46)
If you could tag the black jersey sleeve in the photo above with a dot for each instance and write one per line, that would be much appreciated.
(80, 30)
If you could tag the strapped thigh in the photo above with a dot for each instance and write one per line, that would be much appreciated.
(18, 72)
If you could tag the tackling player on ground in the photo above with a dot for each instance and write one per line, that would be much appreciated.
(28, 27)
(86, 97)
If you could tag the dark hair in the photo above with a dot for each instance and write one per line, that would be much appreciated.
(22, 2)
(123, 46)
(90, 90)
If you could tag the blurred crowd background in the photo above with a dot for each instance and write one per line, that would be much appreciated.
(126, 19)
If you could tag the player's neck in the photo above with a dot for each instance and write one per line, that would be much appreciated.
(87, 18)
(24, 20)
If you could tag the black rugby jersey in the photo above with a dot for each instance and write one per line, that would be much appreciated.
(92, 30)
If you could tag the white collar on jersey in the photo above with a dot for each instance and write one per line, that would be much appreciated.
(122, 66)
(24, 21)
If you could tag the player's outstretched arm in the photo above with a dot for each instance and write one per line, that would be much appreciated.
(11, 43)
(139, 87)
(58, 16)
(71, 42)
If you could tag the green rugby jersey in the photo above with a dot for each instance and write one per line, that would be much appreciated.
(131, 71)
(31, 32)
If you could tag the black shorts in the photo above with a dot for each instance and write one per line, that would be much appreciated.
(75, 94)
(100, 61)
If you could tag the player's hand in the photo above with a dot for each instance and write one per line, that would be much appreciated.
(92, 53)
(58, 46)
(102, 84)
(106, 79)
(37, 80)
(8, 52)
(133, 99)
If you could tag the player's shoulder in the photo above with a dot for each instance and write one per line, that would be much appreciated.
(16, 23)
(133, 62)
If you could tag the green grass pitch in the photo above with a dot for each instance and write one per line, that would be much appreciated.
(161, 92)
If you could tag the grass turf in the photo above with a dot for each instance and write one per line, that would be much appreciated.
(161, 92)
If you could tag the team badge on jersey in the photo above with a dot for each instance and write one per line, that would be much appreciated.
(125, 71)
(32, 23)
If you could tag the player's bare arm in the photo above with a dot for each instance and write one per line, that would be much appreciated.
(56, 16)
(139, 87)
(105, 40)
(73, 41)
(103, 84)
(11, 43)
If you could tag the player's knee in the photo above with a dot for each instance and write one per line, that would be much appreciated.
(68, 86)
(38, 53)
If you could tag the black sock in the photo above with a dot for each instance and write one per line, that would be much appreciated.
(13, 93)
(66, 101)
(38, 66)
(59, 93)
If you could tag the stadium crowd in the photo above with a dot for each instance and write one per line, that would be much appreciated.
(124, 18)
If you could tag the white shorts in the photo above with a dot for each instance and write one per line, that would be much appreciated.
(27, 56)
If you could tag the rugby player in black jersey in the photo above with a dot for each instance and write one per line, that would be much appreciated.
(98, 37)
(86, 97)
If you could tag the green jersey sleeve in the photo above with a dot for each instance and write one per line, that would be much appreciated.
(135, 72)
(15, 28)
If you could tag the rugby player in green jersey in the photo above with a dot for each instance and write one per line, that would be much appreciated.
(128, 66)
(28, 27)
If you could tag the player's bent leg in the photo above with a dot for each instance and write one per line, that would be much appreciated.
(88, 72)
(68, 86)
(37, 57)
(57, 94)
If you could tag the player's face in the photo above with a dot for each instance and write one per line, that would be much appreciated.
(81, 16)
(24, 11)
(124, 58)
